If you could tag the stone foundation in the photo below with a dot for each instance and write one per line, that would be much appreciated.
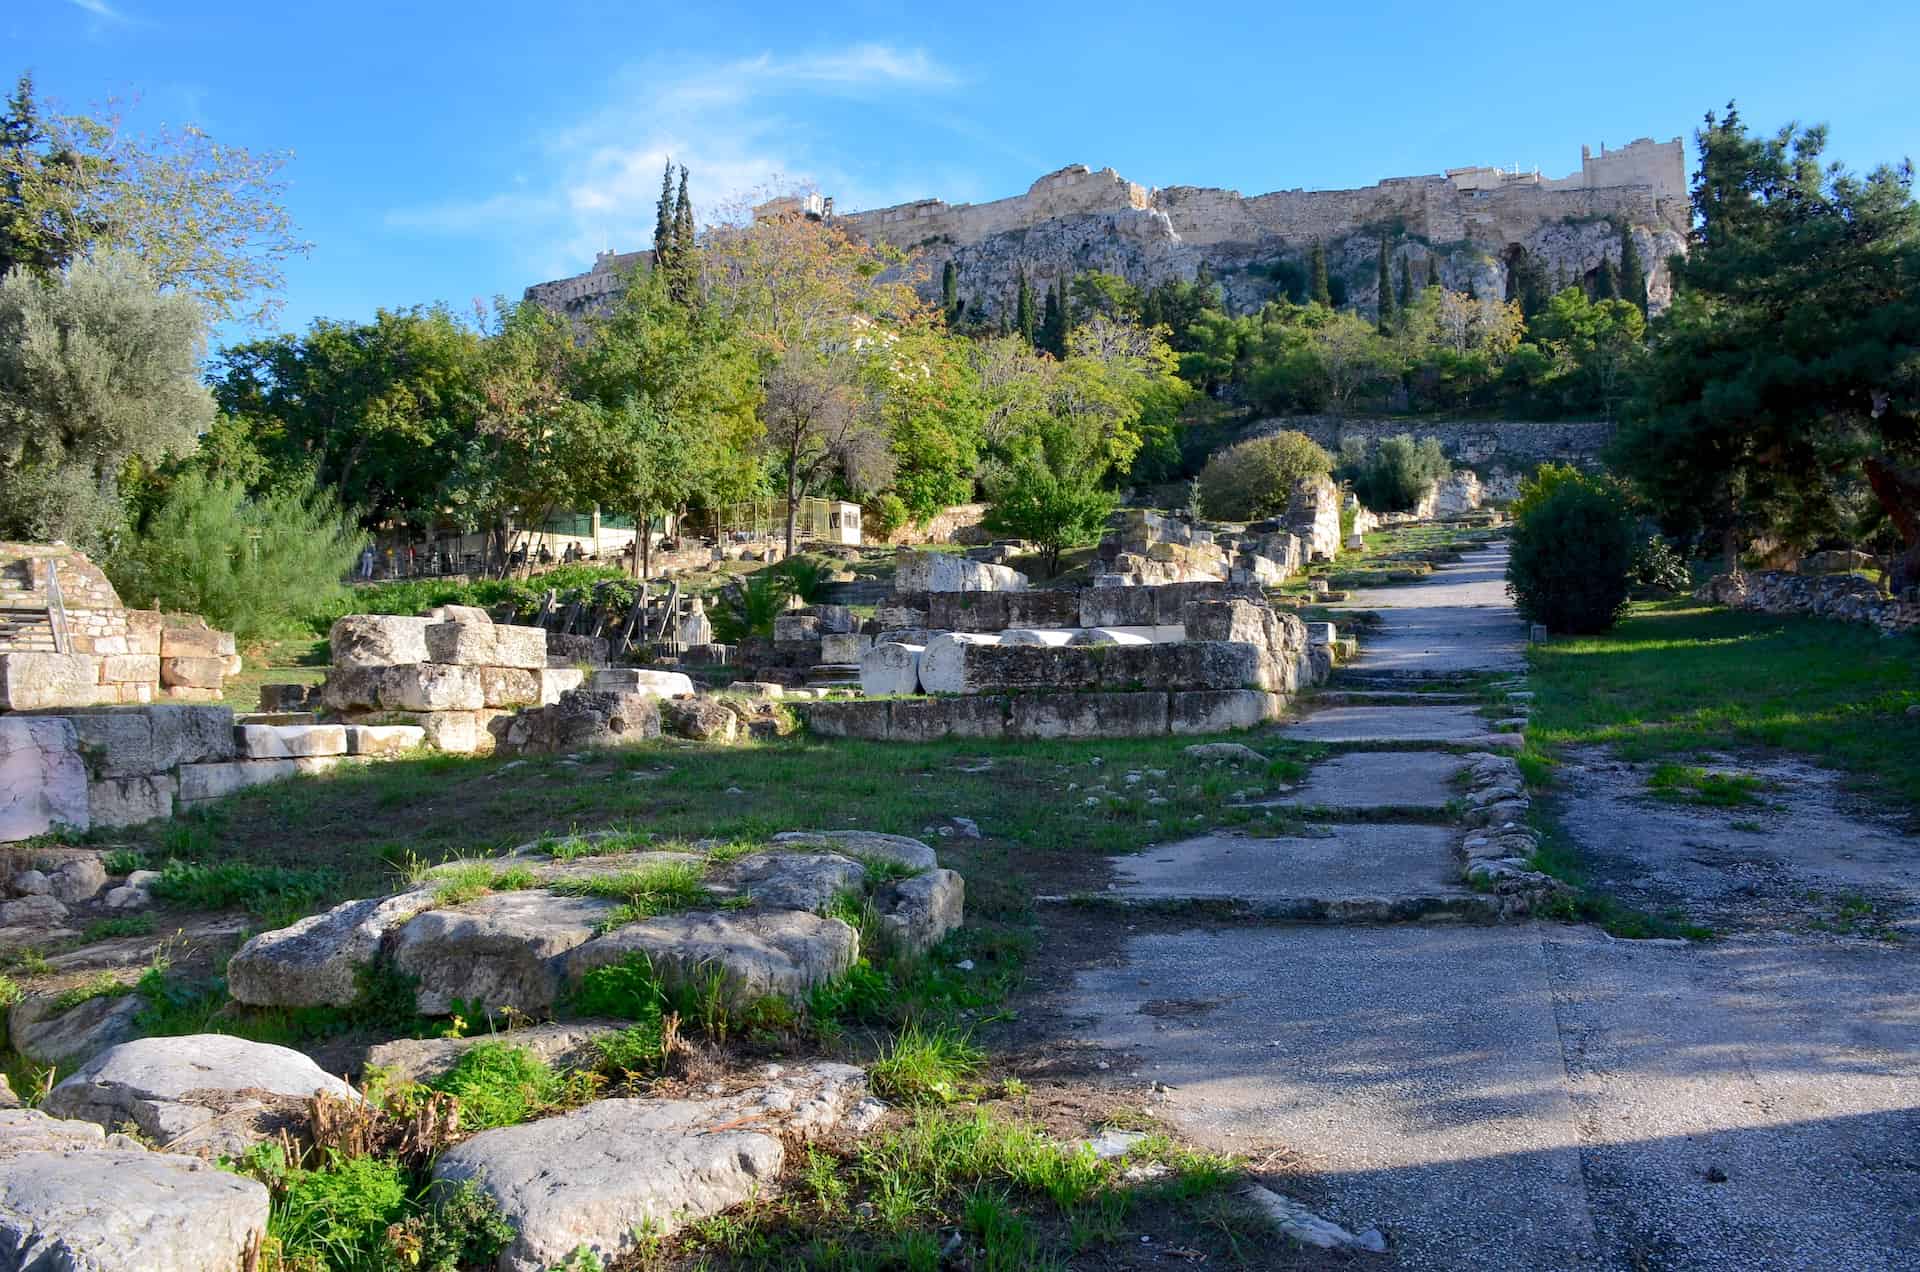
(1143, 713)
(1845, 598)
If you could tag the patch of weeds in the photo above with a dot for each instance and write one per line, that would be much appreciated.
(175, 1006)
(124, 861)
(627, 990)
(461, 1228)
(932, 1065)
(1750, 827)
(1691, 784)
(333, 1216)
(457, 883)
(885, 870)
(500, 1084)
(118, 926)
(640, 1048)
(644, 891)
(99, 985)
(1536, 769)
(29, 961)
(273, 892)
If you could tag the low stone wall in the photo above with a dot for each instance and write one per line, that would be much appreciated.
(1473, 443)
(1847, 598)
(1139, 713)
(1157, 605)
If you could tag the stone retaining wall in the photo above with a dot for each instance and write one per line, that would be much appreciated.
(1139, 713)
(1847, 598)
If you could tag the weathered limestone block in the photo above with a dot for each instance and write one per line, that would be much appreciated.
(919, 912)
(943, 664)
(896, 616)
(353, 688)
(200, 783)
(130, 669)
(487, 645)
(947, 572)
(788, 880)
(641, 1167)
(967, 611)
(504, 950)
(116, 743)
(315, 962)
(189, 734)
(114, 802)
(43, 782)
(449, 732)
(459, 614)
(844, 648)
(1321, 633)
(784, 953)
(571, 651)
(554, 681)
(796, 627)
(930, 719)
(286, 741)
(378, 640)
(1087, 715)
(192, 673)
(834, 620)
(511, 687)
(1235, 620)
(1042, 609)
(582, 718)
(200, 1093)
(763, 690)
(169, 1213)
(45, 1034)
(891, 668)
(431, 687)
(661, 684)
(40, 681)
(1222, 710)
(77, 879)
(999, 668)
(35, 911)
(563, 1044)
(699, 719)
(861, 845)
(1116, 607)
(189, 636)
(867, 720)
(383, 740)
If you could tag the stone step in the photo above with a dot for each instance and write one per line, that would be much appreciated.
(1408, 696)
(1451, 725)
(1370, 783)
(1345, 873)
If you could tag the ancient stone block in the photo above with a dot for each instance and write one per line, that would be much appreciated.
(511, 686)
(194, 640)
(554, 681)
(505, 950)
(459, 614)
(431, 687)
(1042, 609)
(1116, 607)
(486, 645)
(39, 681)
(353, 688)
(891, 668)
(967, 611)
(200, 783)
(130, 669)
(192, 673)
(848, 719)
(289, 741)
(378, 640)
(277, 698)
(947, 572)
(783, 953)
(128, 801)
(190, 734)
(1001, 668)
(383, 740)
(943, 664)
(916, 913)
(1087, 715)
(43, 782)
(699, 719)
(583, 718)
(834, 620)
(1221, 710)
(661, 684)
(796, 627)
(844, 649)
(565, 650)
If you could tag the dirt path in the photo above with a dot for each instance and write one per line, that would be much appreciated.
(1530, 1095)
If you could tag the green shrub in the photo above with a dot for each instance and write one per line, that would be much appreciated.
(256, 566)
(1396, 473)
(1658, 568)
(463, 1229)
(627, 990)
(500, 1084)
(337, 1216)
(881, 515)
(1255, 478)
(1572, 553)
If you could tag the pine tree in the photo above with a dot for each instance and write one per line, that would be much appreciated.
(1606, 284)
(1317, 289)
(1406, 282)
(1024, 320)
(1633, 274)
(663, 221)
(950, 292)
(1389, 314)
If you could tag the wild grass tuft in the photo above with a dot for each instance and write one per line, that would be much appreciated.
(501, 1084)
(927, 1065)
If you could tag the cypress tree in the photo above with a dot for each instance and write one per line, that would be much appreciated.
(685, 279)
(1024, 320)
(663, 221)
(1406, 282)
(1633, 274)
(1606, 284)
(1317, 289)
(1433, 271)
(950, 292)
(1388, 313)
(1053, 333)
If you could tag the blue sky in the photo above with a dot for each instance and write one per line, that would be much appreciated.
(453, 152)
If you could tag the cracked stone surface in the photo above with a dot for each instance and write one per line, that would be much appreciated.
(1379, 779)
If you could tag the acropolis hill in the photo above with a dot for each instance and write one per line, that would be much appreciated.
(1472, 220)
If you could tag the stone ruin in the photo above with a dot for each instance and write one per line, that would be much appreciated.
(67, 641)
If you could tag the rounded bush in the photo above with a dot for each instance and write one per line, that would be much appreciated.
(1573, 553)
(1398, 471)
(1255, 478)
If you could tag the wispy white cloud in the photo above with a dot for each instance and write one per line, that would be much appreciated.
(100, 9)
(740, 127)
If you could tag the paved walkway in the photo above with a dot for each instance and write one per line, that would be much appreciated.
(1522, 1096)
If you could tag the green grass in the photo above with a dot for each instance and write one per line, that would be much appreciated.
(500, 1084)
(275, 892)
(99, 985)
(118, 926)
(930, 1065)
(298, 661)
(458, 882)
(644, 891)
(1691, 784)
(1676, 679)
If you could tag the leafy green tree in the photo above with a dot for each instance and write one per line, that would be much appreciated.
(1633, 274)
(1389, 312)
(255, 566)
(1112, 297)
(97, 369)
(1178, 305)
(1318, 289)
(1396, 473)
(1789, 363)
(1526, 283)
(1599, 345)
(1051, 492)
(1255, 478)
(376, 411)
(202, 218)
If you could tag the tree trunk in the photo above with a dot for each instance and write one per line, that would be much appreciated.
(645, 556)
(793, 507)
(1898, 491)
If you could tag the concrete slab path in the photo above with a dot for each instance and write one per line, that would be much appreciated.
(1390, 724)
(1369, 780)
(1459, 619)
